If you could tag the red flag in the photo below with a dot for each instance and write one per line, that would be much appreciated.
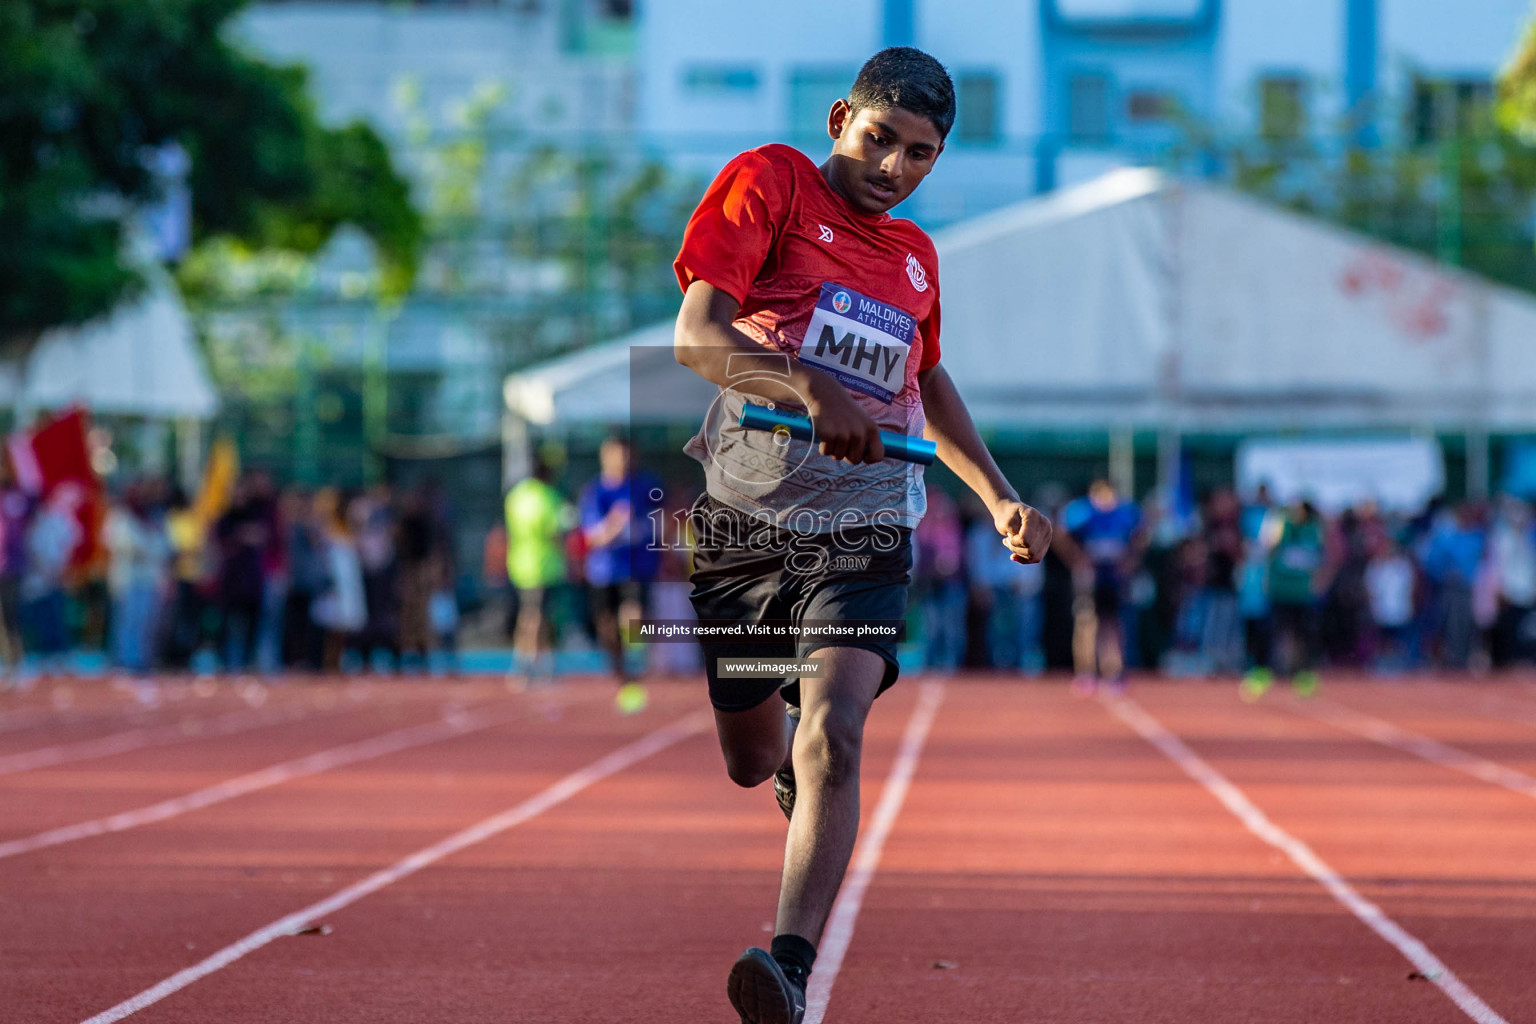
(55, 452)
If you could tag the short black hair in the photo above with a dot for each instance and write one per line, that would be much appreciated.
(906, 77)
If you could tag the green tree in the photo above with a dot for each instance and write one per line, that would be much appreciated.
(1464, 198)
(91, 90)
(1517, 88)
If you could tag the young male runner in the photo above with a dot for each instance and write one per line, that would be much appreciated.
(801, 290)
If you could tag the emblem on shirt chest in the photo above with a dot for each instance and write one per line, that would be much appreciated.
(916, 274)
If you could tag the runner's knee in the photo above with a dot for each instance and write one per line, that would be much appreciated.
(828, 748)
(751, 767)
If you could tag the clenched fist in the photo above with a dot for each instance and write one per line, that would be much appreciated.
(1026, 531)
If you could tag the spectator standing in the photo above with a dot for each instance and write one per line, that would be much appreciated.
(1346, 610)
(373, 531)
(186, 531)
(940, 583)
(1253, 590)
(308, 578)
(1104, 542)
(1222, 624)
(1389, 582)
(15, 516)
(1011, 594)
(243, 535)
(52, 538)
(500, 597)
(620, 565)
(418, 575)
(341, 610)
(537, 519)
(1452, 561)
(1296, 555)
(137, 552)
(1513, 558)
(274, 575)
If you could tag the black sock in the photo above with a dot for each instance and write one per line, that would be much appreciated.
(795, 955)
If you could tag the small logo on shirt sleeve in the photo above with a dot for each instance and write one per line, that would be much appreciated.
(916, 274)
(826, 233)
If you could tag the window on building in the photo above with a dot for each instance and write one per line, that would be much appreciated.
(721, 79)
(1442, 108)
(1282, 107)
(1143, 106)
(1088, 107)
(978, 116)
(1128, 10)
(812, 91)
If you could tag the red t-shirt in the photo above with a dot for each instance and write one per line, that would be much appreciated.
(853, 294)
(770, 232)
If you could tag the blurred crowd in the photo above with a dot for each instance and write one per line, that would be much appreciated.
(1252, 588)
(253, 579)
(265, 579)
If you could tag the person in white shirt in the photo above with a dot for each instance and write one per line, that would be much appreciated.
(1389, 582)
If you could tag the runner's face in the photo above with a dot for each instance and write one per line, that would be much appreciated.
(879, 156)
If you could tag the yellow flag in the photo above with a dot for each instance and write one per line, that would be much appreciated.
(219, 477)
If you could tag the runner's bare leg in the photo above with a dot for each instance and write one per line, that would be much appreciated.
(756, 742)
(827, 748)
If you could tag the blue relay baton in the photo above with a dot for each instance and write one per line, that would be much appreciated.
(897, 446)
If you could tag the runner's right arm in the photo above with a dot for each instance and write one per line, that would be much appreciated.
(705, 340)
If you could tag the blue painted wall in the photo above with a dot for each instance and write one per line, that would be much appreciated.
(900, 23)
(1360, 50)
(1171, 55)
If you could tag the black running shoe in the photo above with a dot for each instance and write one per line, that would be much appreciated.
(784, 791)
(762, 993)
(784, 780)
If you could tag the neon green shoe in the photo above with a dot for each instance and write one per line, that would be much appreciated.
(631, 699)
(1306, 684)
(1255, 684)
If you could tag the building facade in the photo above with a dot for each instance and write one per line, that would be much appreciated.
(1052, 92)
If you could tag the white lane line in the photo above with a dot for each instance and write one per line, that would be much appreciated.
(866, 859)
(1432, 750)
(1236, 801)
(555, 795)
(453, 723)
(149, 736)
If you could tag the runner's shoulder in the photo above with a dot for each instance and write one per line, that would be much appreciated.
(915, 238)
(786, 159)
(785, 163)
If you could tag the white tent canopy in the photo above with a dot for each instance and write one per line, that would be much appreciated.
(141, 360)
(1138, 302)
(634, 379)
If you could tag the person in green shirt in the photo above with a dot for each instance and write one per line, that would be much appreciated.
(538, 517)
(1297, 563)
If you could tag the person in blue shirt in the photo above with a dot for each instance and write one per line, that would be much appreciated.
(1453, 560)
(1103, 542)
(621, 564)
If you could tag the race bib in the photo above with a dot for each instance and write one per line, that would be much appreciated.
(861, 342)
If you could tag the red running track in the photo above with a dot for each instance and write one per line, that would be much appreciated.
(1053, 860)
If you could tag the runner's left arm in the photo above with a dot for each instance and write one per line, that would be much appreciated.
(1025, 530)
